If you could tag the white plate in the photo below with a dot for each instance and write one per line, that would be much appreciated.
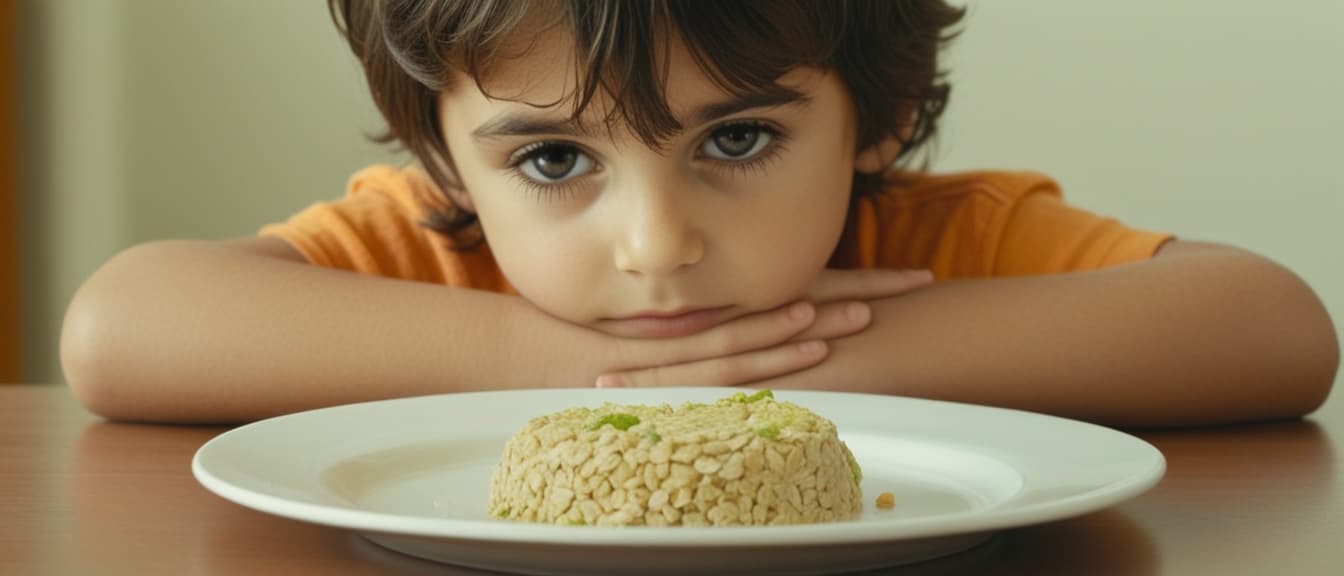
(413, 475)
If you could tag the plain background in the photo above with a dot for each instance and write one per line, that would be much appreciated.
(150, 119)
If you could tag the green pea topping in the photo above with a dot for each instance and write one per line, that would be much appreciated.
(617, 421)
(742, 398)
(763, 394)
(503, 513)
(769, 431)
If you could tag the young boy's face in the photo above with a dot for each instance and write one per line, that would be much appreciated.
(736, 214)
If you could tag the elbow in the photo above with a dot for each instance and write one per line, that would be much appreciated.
(1309, 343)
(85, 355)
(1321, 374)
(97, 350)
(1282, 350)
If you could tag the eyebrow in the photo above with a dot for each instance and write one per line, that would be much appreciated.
(511, 124)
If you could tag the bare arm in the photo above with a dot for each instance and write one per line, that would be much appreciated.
(200, 331)
(1200, 334)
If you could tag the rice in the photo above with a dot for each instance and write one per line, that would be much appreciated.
(743, 460)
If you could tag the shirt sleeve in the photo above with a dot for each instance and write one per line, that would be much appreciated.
(375, 230)
(1041, 235)
(985, 224)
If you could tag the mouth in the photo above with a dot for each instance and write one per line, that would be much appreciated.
(666, 324)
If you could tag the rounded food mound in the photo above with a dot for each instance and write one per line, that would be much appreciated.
(744, 460)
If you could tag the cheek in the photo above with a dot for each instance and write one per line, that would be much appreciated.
(547, 264)
(794, 230)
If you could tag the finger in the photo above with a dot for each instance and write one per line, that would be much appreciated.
(752, 332)
(833, 285)
(837, 320)
(726, 371)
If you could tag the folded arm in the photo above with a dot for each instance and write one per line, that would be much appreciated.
(192, 331)
(1199, 334)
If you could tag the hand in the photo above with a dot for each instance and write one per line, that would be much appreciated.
(764, 344)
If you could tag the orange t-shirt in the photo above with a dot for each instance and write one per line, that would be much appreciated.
(969, 225)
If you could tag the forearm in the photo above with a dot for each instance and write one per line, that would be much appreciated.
(1180, 340)
(189, 331)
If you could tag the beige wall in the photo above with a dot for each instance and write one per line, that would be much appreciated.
(176, 118)
(1219, 121)
(207, 118)
(9, 196)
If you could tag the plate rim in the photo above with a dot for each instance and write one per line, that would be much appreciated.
(1117, 490)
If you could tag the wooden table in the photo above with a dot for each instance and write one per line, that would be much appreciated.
(79, 495)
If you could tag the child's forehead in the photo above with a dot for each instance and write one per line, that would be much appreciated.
(543, 72)
(545, 68)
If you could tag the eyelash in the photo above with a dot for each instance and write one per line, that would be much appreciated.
(566, 188)
(569, 187)
(756, 164)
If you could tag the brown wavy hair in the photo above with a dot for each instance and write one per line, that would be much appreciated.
(885, 51)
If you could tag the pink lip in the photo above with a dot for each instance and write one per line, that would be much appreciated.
(669, 324)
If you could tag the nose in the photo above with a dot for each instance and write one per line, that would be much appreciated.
(658, 238)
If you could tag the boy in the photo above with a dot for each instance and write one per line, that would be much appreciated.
(680, 193)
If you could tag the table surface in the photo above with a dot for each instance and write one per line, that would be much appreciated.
(80, 495)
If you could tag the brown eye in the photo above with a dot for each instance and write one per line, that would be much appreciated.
(736, 142)
(554, 162)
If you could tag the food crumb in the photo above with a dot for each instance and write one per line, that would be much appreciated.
(886, 500)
